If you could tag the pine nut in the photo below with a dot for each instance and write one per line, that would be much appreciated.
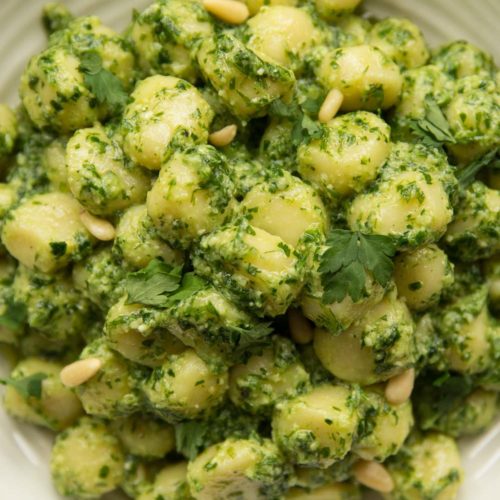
(330, 106)
(80, 371)
(229, 11)
(399, 388)
(100, 228)
(223, 137)
(301, 330)
(373, 475)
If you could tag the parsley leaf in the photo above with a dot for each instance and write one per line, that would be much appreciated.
(150, 285)
(467, 174)
(250, 339)
(160, 284)
(107, 87)
(304, 127)
(436, 397)
(281, 110)
(30, 386)
(434, 128)
(190, 437)
(190, 284)
(349, 257)
(14, 316)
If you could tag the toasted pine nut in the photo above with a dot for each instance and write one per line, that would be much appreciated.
(223, 137)
(100, 228)
(330, 106)
(80, 371)
(399, 388)
(373, 475)
(300, 328)
(229, 11)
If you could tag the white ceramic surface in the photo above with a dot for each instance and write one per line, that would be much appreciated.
(24, 450)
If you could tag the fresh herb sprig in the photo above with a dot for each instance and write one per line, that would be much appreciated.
(190, 437)
(467, 174)
(304, 128)
(107, 87)
(434, 129)
(30, 386)
(250, 340)
(348, 260)
(14, 316)
(160, 284)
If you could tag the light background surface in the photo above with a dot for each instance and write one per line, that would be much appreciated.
(24, 450)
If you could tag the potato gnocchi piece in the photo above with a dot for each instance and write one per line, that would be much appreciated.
(87, 460)
(461, 58)
(422, 275)
(166, 36)
(464, 326)
(57, 408)
(192, 195)
(135, 331)
(386, 427)
(378, 346)
(418, 85)
(317, 428)
(401, 40)
(258, 269)
(332, 10)
(112, 391)
(282, 35)
(428, 467)
(53, 87)
(474, 232)
(184, 387)
(218, 330)
(276, 146)
(468, 414)
(144, 436)
(137, 240)
(244, 81)
(246, 468)
(410, 200)
(170, 483)
(268, 377)
(99, 176)
(355, 30)
(367, 78)
(285, 207)
(348, 155)
(473, 114)
(100, 277)
(45, 232)
(54, 163)
(165, 112)
(53, 307)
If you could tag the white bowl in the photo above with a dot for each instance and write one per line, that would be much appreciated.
(24, 450)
